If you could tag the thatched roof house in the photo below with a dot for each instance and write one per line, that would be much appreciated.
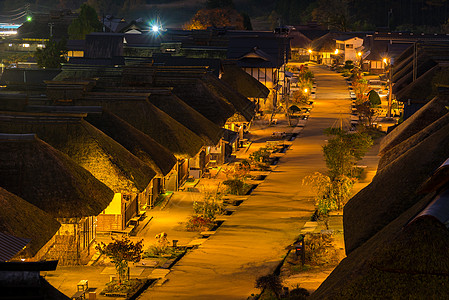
(22, 219)
(407, 259)
(425, 87)
(90, 148)
(159, 158)
(135, 109)
(141, 145)
(395, 152)
(428, 114)
(29, 167)
(166, 101)
(242, 82)
(195, 86)
(393, 189)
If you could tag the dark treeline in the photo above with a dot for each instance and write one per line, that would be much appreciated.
(367, 14)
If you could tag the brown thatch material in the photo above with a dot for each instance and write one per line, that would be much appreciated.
(22, 219)
(393, 190)
(402, 261)
(425, 87)
(326, 43)
(243, 82)
(409, 143)
(45, 177)
(200, 90)
(187, 116)
(141, 145)
(144, 116)
(241, 104)
(159, 158)
(428, 114)
(90, 148)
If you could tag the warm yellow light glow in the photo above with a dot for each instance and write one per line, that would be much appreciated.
(385, 60)
(306, 90)
(336, 51)
(310, 51)
(359, 53)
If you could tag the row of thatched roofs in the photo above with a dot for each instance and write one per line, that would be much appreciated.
(396, 234)
(121, 130)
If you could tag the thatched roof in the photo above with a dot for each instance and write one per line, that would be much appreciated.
(22, 219)
(325, 43)
(186, 115)
(404, 146)
(159, 158)
(141, 145)
(393, 190)
(432, 111)
(90, 148)
(243, 82)
(425, 87)
(241, 104)
(135, 109)
(196, 87)
(29, 167)
(405, 260)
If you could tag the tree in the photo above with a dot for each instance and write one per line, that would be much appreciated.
(374, 98)
(52, 56)
(121, 252)
(86, 23)
(216, 17)
(343, 150)
(329, 194)
(333, 13)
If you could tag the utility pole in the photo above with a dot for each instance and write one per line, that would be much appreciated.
(51, 29)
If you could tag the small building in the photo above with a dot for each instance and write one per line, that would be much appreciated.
(104, 158)
(28, 169)
(349, 46)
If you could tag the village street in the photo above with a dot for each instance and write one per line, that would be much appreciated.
(252, 241)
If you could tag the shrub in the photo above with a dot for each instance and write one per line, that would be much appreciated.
(209, 207)
(271, 283)
(261, 155)
(235, 186)
(319, 249)
(199, 223)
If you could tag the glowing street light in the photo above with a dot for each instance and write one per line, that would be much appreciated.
(336, 51)
(306, 90)
(155, 28)
(359, 54)
(310, 51)
(29, 18)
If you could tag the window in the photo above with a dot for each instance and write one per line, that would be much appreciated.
(349, 46)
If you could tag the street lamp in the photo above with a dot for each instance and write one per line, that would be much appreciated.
(387, 62)
(310, 54)
(336, 51)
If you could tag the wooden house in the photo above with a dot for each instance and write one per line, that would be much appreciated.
(21, 219)
(104, 158)
(244, 83)
(391, 192)
(160, 159)
(51, 181)
(405, 259)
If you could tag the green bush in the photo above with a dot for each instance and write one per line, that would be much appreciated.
(319, 249)
(235, 186)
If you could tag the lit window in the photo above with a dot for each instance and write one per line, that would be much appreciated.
(26, 45)
(10, 45)
(40, 46)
